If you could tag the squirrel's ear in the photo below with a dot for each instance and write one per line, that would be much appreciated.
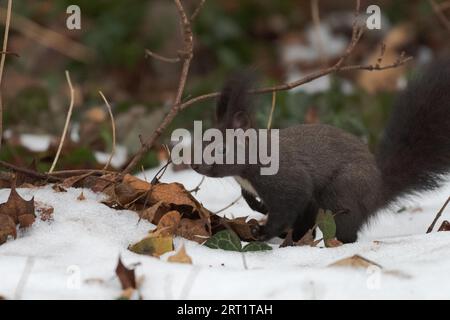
(241, 120)
(234, 99)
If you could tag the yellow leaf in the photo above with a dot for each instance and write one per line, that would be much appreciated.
(153, 245)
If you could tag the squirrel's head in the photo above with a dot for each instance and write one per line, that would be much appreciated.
(226, 148)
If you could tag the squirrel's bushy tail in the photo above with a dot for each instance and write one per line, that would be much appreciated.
(414, 153)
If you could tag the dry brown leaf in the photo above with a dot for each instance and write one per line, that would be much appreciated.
(45, 211)
(136, 183)
(81, 197)
(181, 256)
(26, 220)
(7, 228)
(169, 222)
(71, 181)
(16, 206)
(155, 212)
(355, 261)
(194, 230)
(445, 226)
(333, 243)
(288, 241)
(308, 239)
(58, 188)
(126, 276)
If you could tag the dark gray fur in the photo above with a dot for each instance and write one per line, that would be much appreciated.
(325, 167)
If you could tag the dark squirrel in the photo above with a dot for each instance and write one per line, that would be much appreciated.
(321, 166)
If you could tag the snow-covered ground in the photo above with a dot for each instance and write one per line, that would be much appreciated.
(75, 256)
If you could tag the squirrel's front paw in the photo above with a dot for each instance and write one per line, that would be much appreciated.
(271, 230)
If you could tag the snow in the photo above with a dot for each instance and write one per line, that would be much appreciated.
(74, 256)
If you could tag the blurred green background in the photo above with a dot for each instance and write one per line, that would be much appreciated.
(108, 54)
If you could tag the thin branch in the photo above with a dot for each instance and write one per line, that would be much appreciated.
(113, 149)
(186, 55)
(438, 215)
(197, 11)
(440, 14)
(317, 25)
(230, 205)
(66, 126)
(160, 57)
(197, 188)
(2, 62)
(29, 172)
(272, 109)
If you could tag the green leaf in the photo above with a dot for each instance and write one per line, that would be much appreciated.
(256, 246)
(225, 240)
(326, 224)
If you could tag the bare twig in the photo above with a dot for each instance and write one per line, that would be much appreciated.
(272, 109)
(440, 14)
(66, 125)
(197, 188)
(438, 215)
(186, 55)
(197, 11)
(230, 205)
(2, 62)
(316, 19)
(30, 172)
(113, 149)
(357, 33)
(160, 57)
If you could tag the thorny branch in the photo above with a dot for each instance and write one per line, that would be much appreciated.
(186, 54)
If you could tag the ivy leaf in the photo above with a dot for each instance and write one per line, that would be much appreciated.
(256, 246)
(326, 224)
(225, 240)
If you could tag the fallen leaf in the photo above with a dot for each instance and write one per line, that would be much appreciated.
(256, 246)
(169, 222)
(58, 188)
(71, 181)
(308, 239)
(155, 212)
(7, 228)
(81, 197)
(246, 230)
(153, 245)
(194, 230)
(333, 243)
(355, 261)
(445, 226)
(129, 294)
(45, 211)
(325, 222)
(181, 256)
(136, 183)
(26, 220)
(16, 206)
(288, 241)
(226, 240)
(126, 276)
